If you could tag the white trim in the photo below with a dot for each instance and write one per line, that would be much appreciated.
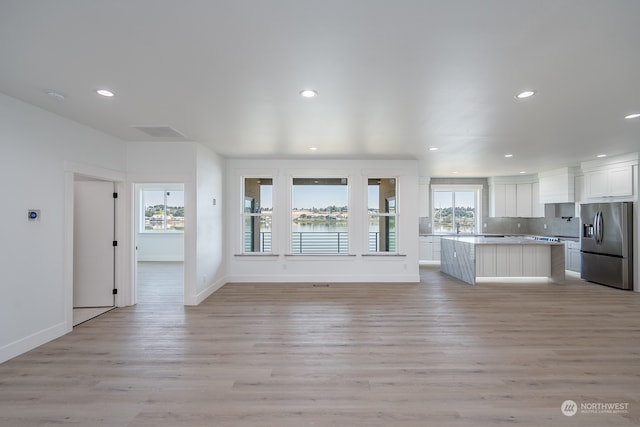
(34, 340)
(477, 188)
(328, 278)
(122, 227)
(206, 293)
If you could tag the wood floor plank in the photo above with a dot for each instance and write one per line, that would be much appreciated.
(363, 354)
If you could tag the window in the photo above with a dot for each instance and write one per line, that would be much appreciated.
(319, 216)
(381, 210)
(162, 210)
(456, 209)
(257, 212)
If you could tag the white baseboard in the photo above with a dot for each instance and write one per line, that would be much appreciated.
(303, 278)
(204, 294)
(32, 341)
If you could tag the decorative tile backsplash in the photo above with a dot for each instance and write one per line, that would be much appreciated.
(554, 226)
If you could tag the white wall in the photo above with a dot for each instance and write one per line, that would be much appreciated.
(160, 246)
(201, 171)
(356, 267)
(35, 306)
(156, 246)
(211, 251)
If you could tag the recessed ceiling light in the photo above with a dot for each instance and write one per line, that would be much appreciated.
(632, 116)
(308, 93)
(525, 94)
(105, 92)
(454, 172)
(523, 172)
(313, 148)
(55, 95)
(601, 155)
(508, 156)
(433, 148)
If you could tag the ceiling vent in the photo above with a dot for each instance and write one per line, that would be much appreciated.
(160, 131)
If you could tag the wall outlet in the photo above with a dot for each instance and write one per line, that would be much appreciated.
(544, 226)
(518, 225)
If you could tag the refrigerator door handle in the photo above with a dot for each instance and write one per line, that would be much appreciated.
(599, 228)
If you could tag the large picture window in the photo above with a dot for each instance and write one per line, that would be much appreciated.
(456, 209)
(320, 216)
(162, 210)
(257, 213)
(381, 211)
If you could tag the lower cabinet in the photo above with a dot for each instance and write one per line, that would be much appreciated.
(572, 258)
(429, 249)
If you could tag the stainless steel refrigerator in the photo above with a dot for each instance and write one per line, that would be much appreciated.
(607, 243)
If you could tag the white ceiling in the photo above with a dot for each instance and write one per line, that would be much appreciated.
(394, 77)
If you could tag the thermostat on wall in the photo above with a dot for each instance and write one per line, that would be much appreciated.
(34, 214)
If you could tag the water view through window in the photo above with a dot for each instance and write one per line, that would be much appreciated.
(320, 216)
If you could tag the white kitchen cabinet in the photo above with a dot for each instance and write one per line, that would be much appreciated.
(572, 257)
(514, 197)
(423, 197)
(609, 182)
(557, 186)
(523, 200)
(429, 248)
(435, 248)
(537, 208)
(611, 178)
(424, 249)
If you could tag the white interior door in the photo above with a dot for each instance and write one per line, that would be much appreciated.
(93, 252)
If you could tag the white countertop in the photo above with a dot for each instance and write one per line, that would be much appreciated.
(490, 240)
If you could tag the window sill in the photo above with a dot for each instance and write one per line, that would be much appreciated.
(320, 256)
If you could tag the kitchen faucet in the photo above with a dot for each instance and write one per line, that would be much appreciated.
(457, 227)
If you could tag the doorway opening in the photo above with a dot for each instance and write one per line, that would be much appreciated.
(93, 248)
(159, 243)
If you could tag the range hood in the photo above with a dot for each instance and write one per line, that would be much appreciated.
(560, 210)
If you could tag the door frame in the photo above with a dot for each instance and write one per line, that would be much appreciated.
(123, 272)
(136, 203)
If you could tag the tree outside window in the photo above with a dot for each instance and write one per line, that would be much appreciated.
(163, 210)
(455, 211)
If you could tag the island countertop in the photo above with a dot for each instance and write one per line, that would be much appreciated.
(492, 240)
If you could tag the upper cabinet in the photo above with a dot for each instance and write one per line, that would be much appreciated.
(423, 196)
(514, 196)
(557, 186)
(611, 178)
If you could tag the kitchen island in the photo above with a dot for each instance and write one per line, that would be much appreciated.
(468, 258)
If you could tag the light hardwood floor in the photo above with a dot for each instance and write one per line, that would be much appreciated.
(438, 353)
